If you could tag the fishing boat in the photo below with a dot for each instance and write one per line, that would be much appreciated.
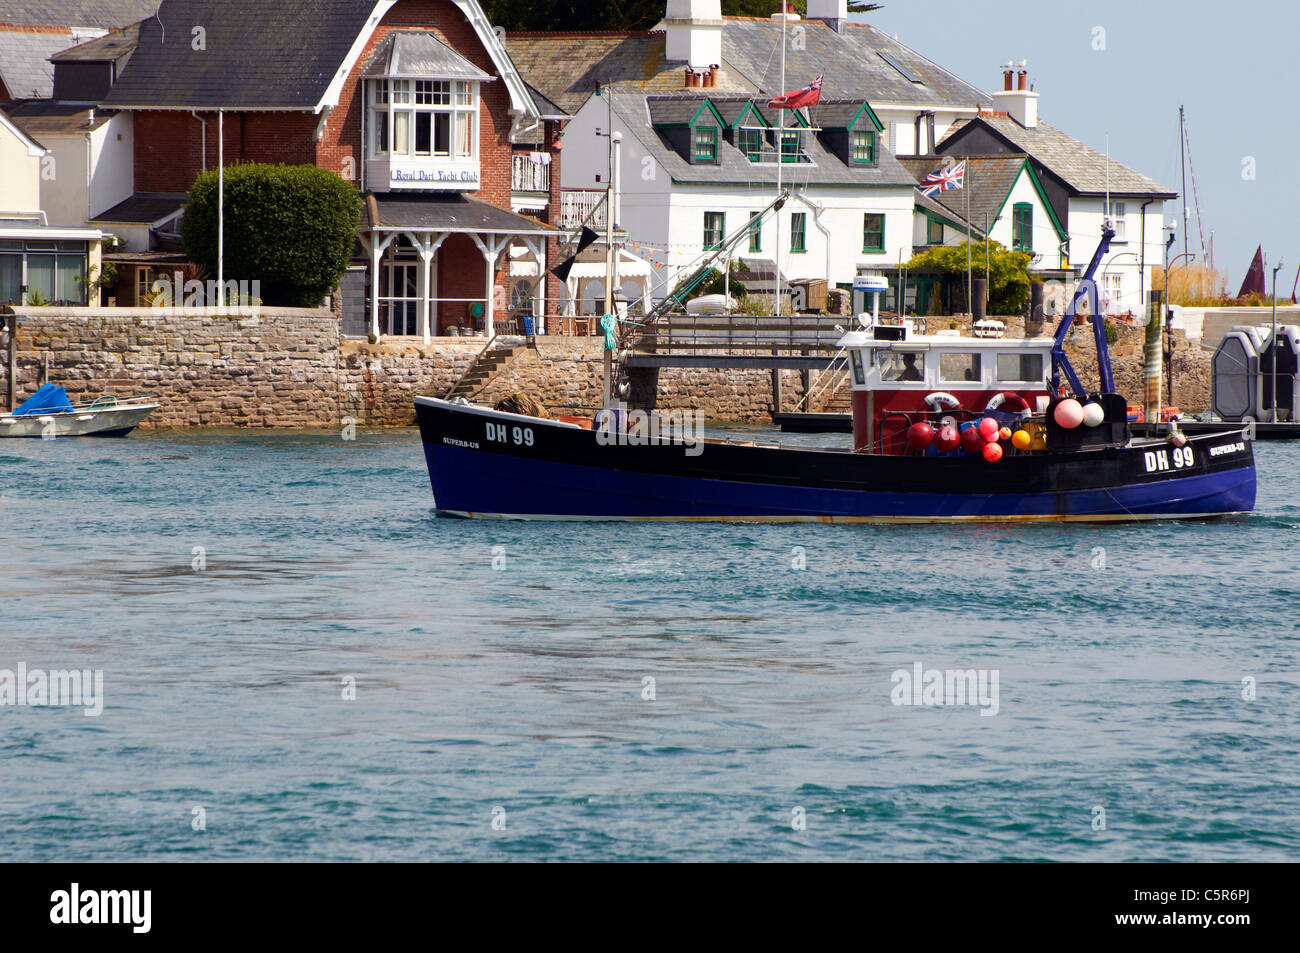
(947, 428)
(49, 413)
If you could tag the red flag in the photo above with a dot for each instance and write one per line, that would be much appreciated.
(1254, 281)
(810, 95)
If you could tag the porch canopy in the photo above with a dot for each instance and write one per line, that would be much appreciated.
(426, 221)
(585, 287)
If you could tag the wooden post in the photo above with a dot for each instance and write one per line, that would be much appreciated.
(12, 322)
(776, 390)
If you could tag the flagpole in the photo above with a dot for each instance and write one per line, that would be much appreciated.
(965, 185)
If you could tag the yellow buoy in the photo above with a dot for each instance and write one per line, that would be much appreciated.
(1020, 440)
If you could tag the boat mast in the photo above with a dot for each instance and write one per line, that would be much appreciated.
(780, 161)
(1182, 166)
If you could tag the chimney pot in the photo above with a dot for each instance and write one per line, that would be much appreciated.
(1024, 79)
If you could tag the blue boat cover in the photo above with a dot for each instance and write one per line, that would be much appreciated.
(50, 399)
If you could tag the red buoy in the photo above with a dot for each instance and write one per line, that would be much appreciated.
(946, 440)
(920, 435)
(972, 441)
(989, 429)
(992, 452)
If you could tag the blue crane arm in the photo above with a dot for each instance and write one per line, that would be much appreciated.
(1061, 363)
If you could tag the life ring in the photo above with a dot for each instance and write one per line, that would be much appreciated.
(1018, 405)
(942, 397)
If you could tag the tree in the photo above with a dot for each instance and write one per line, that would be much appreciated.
(1008, 271)
(292, 228)
(557, 15)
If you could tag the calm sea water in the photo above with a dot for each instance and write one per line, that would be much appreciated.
(519, 692)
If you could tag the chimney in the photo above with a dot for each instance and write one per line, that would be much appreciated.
(1020, 103)
(713, 74)
(834, 13)
(693, 31)
(786, 12)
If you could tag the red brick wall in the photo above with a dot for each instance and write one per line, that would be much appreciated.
(169, 153)
(343, 132)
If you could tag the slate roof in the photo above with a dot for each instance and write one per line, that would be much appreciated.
(1082, 168)
(419, 53)
(547, 108)
(733, 168)
(453, 211)
(568, 67)
(674, 110)
(24, 61)
(930, 205)
(115, 46)
(988, 180)
(104, 14)
(282, 56)
(47, 117)
(142, 208)
(850, 59)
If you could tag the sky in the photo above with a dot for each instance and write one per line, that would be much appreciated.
(1123, 69)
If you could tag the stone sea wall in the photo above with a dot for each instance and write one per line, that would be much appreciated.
(291, 368)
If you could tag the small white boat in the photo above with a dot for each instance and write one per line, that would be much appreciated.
(49, 414)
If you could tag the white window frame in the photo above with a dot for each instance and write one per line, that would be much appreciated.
(410, 98)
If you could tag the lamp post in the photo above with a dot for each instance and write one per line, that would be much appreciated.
(1276, 269)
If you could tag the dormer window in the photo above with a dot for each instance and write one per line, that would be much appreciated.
(864, 146)
(706, 143)
(792, 145)
(750, 142)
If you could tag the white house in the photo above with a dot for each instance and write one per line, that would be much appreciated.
(699, 145)
(38, 261)
(1079, 182)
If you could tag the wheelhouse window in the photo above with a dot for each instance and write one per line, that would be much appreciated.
(706, 143)
(864, 146)
(715, 227)
(1022, 227)
(901, 365)
(959, 368)
(873, 232)
(1020, 368)
(425, 118)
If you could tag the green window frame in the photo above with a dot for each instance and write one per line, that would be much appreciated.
(706, 144)
(750, 142)
(715, 229)
(798, 232)
(873, 232)
(1022, 227)
(792, 146)
(864, 146)
(755, 232)
(933, 231)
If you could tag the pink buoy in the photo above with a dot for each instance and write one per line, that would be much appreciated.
(946, 440)
(992, 452)
(1178, 438)
(1069, 413)
(989, 429)
(920, 435)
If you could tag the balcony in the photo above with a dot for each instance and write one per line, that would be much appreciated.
(528, 176)
(577, 204)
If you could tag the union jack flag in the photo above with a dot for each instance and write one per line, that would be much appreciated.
(810, 95)
(953, 177)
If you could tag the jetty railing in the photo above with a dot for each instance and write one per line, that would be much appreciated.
(687, 333)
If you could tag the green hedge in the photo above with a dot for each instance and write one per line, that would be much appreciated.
(290, 227)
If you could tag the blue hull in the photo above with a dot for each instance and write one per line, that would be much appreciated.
(470, 478)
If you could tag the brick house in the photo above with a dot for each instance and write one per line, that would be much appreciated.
(415, 101)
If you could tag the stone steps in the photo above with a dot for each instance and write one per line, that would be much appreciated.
(483, 371)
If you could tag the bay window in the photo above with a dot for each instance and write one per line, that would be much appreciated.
(423, 118)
